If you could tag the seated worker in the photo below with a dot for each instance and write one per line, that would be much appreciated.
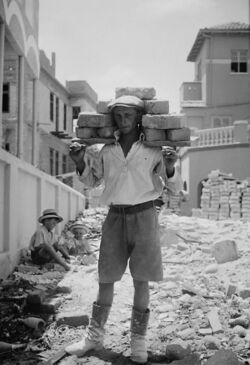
(81, 245)
(43, 243)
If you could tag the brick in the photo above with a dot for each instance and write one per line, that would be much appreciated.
(157, 106)
(144, 93)
(231, 289)
(74, 320)
(86, 132)
(182, 134)
(225, 251)
(94, 120)
(214, 321)
(154, 134)
(102, 106)
(163, 121)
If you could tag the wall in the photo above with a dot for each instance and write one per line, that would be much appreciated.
(25, 192)
(234, 158)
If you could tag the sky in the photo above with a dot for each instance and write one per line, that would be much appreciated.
(136, 43)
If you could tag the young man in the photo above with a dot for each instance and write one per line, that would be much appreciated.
(133, 175)
(44, 245)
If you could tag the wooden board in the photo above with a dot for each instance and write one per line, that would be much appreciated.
(90, 141)
(167, 143)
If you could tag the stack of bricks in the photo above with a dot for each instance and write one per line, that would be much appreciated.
(158, 125)
(224, 198)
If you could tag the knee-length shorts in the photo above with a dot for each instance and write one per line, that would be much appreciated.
(130, 234)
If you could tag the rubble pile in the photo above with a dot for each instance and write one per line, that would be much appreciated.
(224, 197)
(199, 312)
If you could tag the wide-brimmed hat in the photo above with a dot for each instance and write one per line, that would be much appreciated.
(127, 101)
(76, 225)
(49, 213)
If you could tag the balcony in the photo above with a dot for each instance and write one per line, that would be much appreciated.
(191, 94)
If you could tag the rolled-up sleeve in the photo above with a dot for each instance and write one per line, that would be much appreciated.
(92, 175)
(173, 184)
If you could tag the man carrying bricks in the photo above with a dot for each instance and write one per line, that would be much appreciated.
(133, 175)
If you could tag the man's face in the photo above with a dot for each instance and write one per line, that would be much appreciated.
(78, 233)
(126, 118)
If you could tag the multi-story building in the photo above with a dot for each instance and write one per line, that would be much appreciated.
(217, 106)
(220, 92)
(58, 108)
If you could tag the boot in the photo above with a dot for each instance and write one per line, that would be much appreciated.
(94, 334)
(139, 324)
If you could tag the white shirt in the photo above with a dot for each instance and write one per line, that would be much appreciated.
(137, 178)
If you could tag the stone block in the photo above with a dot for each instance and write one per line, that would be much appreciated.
(102, 106)
(156, 106)
(144, 93)
(182, 134)
(225, 251)
(70, 319)
(193, 359)
(94, 120)
(154, 134)
(163, 121)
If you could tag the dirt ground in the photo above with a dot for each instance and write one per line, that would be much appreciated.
(194, 285)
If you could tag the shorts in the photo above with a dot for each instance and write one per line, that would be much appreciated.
(131, 234)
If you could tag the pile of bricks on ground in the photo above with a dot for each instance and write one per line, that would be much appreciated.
(224, 197)
(158, 124)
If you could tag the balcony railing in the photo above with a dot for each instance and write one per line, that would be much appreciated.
(215, 136)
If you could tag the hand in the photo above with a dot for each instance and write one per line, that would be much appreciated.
(170, 155)
(77, 151)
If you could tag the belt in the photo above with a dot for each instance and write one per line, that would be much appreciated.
(128, 209)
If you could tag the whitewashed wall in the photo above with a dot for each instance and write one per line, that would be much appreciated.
(24, 193)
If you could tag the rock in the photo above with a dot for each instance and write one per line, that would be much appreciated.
(211, 342)
(176, 352)
(214, 321)
(244, 293)
(223, 357)
(240, 331)
(188, 360)
(225, 251)
(211, 269)
(240, 321)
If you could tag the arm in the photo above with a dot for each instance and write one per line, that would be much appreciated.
(89, 165)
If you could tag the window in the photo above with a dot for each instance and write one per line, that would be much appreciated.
(221, 121)
(64, 164)
(6, 98)
(51, 107)
(65, 117)
(51, 161)
(57, 162)
(75, 111)
(239, 61)
(57, 114)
